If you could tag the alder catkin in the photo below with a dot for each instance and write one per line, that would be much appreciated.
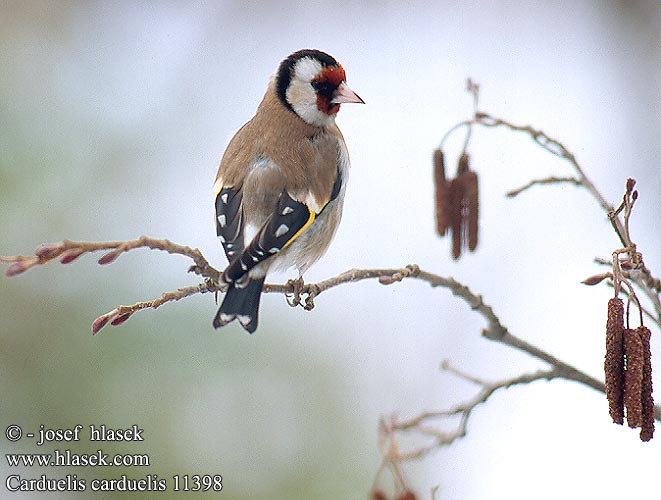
(378, 494)
(441, 190)
(647, 423)
(471, 203)
(464, 164)
(406, 495)
(455, 217)
(614, 360)
(633, 377)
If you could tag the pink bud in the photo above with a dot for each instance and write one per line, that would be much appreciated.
(109, 257)
(595, 280)
(630, 184)
(48, 250)
(99, 323)
(626, 264)
(71, 255)
(18, 268)
(119, 319)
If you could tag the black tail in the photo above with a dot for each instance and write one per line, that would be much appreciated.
(242, 304)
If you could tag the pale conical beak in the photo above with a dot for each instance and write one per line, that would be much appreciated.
(344, 94)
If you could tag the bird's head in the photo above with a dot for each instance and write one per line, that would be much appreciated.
(313, 84)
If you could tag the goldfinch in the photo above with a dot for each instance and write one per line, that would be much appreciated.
(281, 181)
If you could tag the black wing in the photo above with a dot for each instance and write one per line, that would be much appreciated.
(229, 227)
(289, 220)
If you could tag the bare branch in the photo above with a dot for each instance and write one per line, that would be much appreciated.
(547, 180)
(494, 331)
(69, 250)
(423, 423)
(121, 313)
(644, 279)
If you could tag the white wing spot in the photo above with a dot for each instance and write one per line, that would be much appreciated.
(255, 259)
(221, 238)
(287, 211)
(244, 320)
(222, 220)
(281, 230)
(244, 267)
(274, 250)
(223, 198)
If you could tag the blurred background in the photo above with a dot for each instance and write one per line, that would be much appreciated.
(113, 117)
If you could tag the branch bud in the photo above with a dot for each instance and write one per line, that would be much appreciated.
(71, 255)
(18, 267)
(101, 321)
(49, 250)
(120, 318)
(596, 279)
(109, 257)
(630, 184)
(626, 264)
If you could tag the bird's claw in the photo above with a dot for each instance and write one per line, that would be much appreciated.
(294, 297)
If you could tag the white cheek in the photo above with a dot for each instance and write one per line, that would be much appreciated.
(301, 95)
(303, 99)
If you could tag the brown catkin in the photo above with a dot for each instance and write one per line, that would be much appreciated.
(378, 494)
(464, 164)
(442, 188)
(647, 423)
(471, 207)
(614, 360)
(633, 377)
(406, 495)
(455, 215)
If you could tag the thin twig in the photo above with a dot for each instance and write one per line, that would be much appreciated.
(549, 144)
(421, 422)
(547, 180)
(645, 280)
(69, 250)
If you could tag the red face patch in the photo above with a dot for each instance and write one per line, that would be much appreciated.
(332, 76)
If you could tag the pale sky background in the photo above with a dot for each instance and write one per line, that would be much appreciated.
(113, 117)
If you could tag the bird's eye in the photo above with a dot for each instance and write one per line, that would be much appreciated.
(322, 87)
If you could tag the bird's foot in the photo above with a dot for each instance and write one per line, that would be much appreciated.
(294, 296)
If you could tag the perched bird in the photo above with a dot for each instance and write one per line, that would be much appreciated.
(281, 181)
